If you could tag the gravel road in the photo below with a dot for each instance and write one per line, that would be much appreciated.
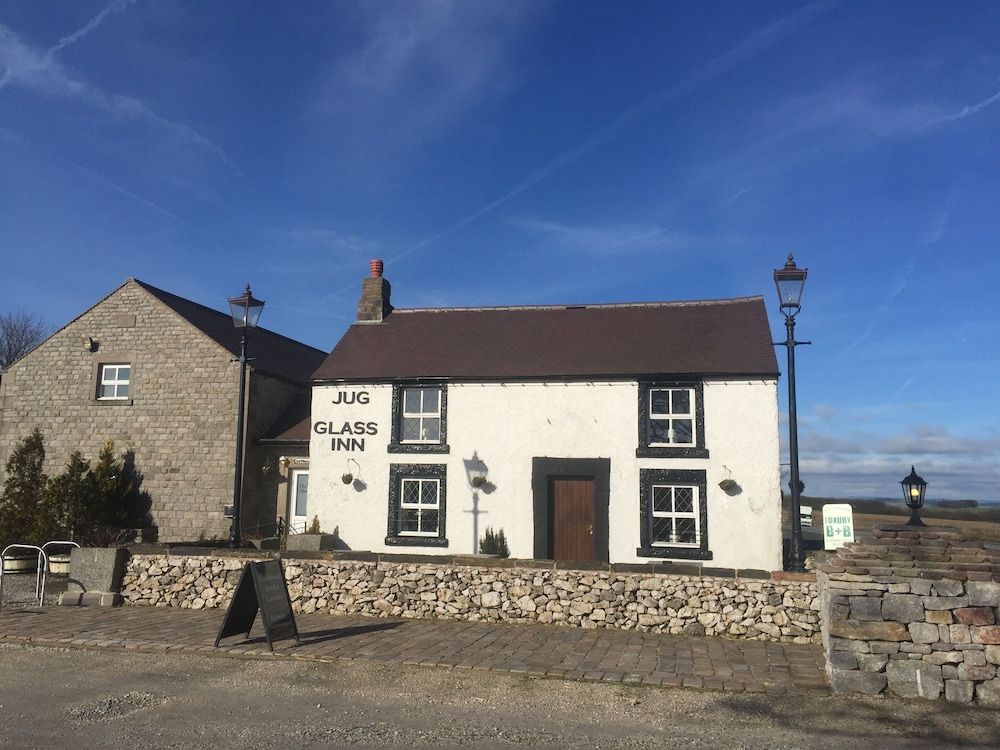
(57, 698)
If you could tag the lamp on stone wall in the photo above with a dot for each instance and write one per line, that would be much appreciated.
(246, 311)
(914, 488)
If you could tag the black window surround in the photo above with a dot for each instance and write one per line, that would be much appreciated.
(396, 445)
(676, 477)
(698, 450)
(398, 472)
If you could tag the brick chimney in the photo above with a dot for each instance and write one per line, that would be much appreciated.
(375, 290)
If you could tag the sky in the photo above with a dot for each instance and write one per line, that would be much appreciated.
(509, 153)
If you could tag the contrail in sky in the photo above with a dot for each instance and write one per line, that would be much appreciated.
(964, 112)
(751, 46)
(116, 7)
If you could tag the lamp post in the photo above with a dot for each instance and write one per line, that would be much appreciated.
(913, 493)
(789, 282)
(246, 311)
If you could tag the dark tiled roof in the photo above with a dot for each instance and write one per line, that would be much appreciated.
(272, 353)
(718, 337)
(293, 425)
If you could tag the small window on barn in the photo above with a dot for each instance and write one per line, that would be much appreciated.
(671, 420)
(114, 383)
(419, 419)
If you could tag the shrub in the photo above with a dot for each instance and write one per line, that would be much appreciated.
(84, 503)
(23, 491)
(314, 526)
(494, 543)
(66, 505)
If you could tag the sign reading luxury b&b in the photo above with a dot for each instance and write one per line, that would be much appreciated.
(347, 435)
(838, 525)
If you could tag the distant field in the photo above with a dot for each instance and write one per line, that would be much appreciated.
(981, 524)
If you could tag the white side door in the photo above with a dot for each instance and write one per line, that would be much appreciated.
(299, 501)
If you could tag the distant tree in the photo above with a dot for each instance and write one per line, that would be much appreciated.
(20, 332)
(23, 491)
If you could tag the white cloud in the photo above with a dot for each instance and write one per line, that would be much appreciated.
(858, 107)
(936, 228)
(931, 440)
(422, 63)
(865, 464)
(825, 412)
(328, 238)
(609, 237)
(899, 286)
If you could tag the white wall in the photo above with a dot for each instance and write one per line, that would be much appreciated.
(505, 425)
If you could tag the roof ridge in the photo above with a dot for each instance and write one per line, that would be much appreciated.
(156, 290)
(591, 306)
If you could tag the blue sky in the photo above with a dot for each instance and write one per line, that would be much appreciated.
(535, 153)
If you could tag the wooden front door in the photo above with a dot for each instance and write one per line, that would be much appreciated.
(571, 518)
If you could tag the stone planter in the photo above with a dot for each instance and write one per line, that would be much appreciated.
(97, 569)
(309, 542)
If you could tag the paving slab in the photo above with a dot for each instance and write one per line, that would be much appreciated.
(536, 650)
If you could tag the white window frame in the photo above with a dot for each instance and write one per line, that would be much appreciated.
(674, 514)
(115, 382)
(420, 416)
(419, 506)
(691, 415)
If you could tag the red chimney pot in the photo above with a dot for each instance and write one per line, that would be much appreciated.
(375, 267)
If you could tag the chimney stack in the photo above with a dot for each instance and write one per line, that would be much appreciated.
(374, 305)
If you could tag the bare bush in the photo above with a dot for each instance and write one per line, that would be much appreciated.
(20, 332)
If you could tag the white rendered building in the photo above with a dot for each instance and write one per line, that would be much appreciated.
(623, 433)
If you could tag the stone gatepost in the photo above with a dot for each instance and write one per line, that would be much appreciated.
(915, 612)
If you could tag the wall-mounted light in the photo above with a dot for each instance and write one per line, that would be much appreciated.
(88, 343)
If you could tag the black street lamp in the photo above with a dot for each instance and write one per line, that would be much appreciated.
(789, 282)
(913, 493)
(246, 311)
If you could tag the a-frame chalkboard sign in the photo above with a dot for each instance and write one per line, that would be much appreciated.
(262, 586)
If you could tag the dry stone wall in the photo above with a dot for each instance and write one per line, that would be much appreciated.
(914, 612)
(783, 611)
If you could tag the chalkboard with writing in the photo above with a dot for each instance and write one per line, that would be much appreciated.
(261, 587)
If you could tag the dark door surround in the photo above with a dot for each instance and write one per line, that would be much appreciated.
(541, 471)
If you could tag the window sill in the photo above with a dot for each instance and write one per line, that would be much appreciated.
(663, 452)
(419, 448)
(112, 401)
(416, 541)
(675, 553)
